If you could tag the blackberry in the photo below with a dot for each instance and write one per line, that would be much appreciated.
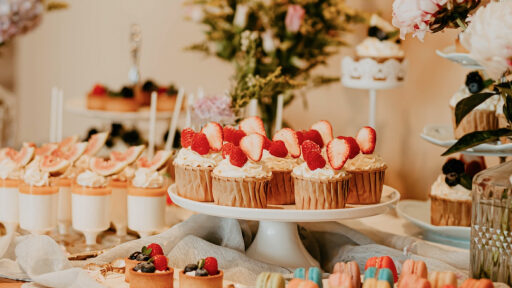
(190, 268)
(452, 179)
(149, 86)
(115, 129)
(376, 32)
(126, 92)
(453, 165)
(142, 257)
(134, 255)
(201, 272)
(91, 132)
(474, 82)
(148, 267)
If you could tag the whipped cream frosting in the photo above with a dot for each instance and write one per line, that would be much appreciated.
(279, 164)
(10, 170)
(189, 157)
(326, 173)
(490, 104)
(457, 192)
(365, 162)
(127, 174)
(145, 178)
(35, 177)
(91, 179)
(373, 47)
(250, 169)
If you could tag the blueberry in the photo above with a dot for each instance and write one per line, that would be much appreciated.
(452, 179)
(142, 257)
(201, 272)
(138, 267)
(453, 165)
(376, 32)
(134, 255)
(474, 82)
(148, 267)
(190, 268)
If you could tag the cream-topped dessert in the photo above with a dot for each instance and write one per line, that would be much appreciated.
(249, 169)
(382, 41)
(189, 157)
(10, 170)
(34, 176)
(463, 92)
(146, 178)
(91, 179)
(126, 175)
(365, 162)
(325, 173)
(279, 163)
(457, 192)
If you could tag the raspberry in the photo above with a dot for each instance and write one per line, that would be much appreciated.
(315, 161)
(237, 157)
(186, 137)
(266, 143)
(155, 249)
(160, 262)
(278, 149)
(200, 144)
(210, 265)
(233, 135)
(309, 146)
(227, 149)
(453, 166)
(314, 136)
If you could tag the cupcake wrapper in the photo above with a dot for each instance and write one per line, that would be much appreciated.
(240, 192)
(445, 212)
(366, 186)
(320, 194)
(476, 120)
(194, 183)
(280, 190)
(503, 123)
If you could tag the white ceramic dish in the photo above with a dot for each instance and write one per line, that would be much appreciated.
(460, 58)
(418, 213)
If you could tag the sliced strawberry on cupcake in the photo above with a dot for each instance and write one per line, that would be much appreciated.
(233, 135)
(290, 139)
(214, 134)
(323, 127)
(252, 145)
(253, 125)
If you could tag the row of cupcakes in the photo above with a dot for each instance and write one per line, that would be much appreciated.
(311, 169)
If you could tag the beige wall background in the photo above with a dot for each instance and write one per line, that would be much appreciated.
(89, 43)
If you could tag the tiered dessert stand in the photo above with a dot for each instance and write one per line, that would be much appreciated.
(277, 241)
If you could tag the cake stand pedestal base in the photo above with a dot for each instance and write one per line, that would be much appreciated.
(279, 243)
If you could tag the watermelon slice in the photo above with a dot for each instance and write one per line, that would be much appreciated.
(23, 157)
(106, 167)
(158, 162)
(95, 143)
(54, 165)
(129, 156)
(73, 153)
(46, 149)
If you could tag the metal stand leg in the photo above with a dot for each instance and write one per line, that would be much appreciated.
(373, 108)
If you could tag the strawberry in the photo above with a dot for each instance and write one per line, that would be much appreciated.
(266, 143)
(233, 135)
(186, 137)
(278, 149)
(210, 265)
(470, 158)
(161, 90)
(155, 249)
(237, 157)
(325, 129)
(337, 153)
(300, 136)
(168, 200)
(227, 149)
(160, 262)
(366, 139)
(98, 89)
(473, 167)
(309, 146)
(200, 144)
(253, 125)
(252, 145)
(315, 161)
(214, 134)
(354, 147)
(289, 137)
(314, 136)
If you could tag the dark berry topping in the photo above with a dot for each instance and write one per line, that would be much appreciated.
(201, 272)
(147, 267)
(149, 86)
(116, 129)
(172, 90)
(376, 32)
(134, 255)
(126, 92)
(453, 165)
(474, 82)
(142, 257)
(190, 268)
(452, 179)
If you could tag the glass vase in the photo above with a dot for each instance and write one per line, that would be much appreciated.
(491, 224)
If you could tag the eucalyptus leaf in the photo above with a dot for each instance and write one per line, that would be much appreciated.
(467, 104)
(465, 181)
(476, 138)
(507, 108)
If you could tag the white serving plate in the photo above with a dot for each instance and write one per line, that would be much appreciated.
(442, 135)
(460, 58)
(418, 213)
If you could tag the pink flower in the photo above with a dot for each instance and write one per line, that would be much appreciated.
(294, 17)
(413, 16)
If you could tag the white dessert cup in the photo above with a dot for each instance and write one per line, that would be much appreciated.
(38, 208)
(91, 211)
(118, 209)
(64, 204)
(9, 204)
(146, 210)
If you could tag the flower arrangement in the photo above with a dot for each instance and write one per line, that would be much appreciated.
(294, 37)
(20, 16)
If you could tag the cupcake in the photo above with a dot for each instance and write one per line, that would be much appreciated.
(143, 93)
(502, 121)
(154, 273)
(204, 274)
(96, 98)
(137, 257)
(242, 179)
(450, 194)
(483, 117)
(166, 98)
(382, 42)
(195, 162)
(318, 184)
(122, 101)
(367, 169)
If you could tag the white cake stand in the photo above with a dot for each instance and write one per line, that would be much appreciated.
(277, 241)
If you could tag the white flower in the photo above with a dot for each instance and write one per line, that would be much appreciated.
(489, 37)
(241, 13)
(269, 42)
(195, 13)
(413, 16)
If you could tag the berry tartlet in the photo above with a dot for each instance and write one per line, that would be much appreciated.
(366, 167)
(96, 98)
(166, 99)
(154, 273)
(143, 255)
(200, 153)
(122, 101)
(204, 274)
(143, 93)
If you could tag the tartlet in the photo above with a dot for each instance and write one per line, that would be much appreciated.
(96, 98)
(204, 274)
(122, 101)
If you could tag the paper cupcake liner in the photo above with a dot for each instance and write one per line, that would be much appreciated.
(320, 194)
(280, 190)
(240, 192)
(366, 186)
(476, 120)
(194, 183)
(503, 123)
(446, 212)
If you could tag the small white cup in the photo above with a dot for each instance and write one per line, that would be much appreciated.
(64, 204)
(146, 210)
(118, 209)
(9, 204)
(38, 208)
(91, 211)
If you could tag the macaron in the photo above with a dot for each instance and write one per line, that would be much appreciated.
(313, 274)
(385, 274)
(418, 268)
(477, 283)
(301, 283)
(341, 280)
(299, 273)
(382, 262)
(440, 279)
(350, 268)
(413, 281)
(370, 273)
(374, 283)
(270, 280)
